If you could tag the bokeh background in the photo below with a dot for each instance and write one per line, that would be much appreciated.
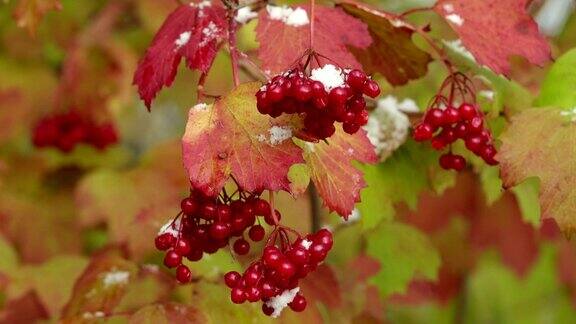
(76, 240)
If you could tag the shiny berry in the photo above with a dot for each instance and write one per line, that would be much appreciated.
(298, 304)
(232, 278)
(256, 233)
(241, 246)
(172, 259)
(183, 274)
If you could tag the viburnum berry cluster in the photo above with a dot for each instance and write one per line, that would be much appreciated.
(445, 122)
(206, 224)
(65, 131)
(273, 279)
(329, 94)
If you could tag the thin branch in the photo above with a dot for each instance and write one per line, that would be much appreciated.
(232, 27)
(312, 15)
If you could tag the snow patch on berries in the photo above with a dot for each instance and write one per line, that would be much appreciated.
(209, 33)
(171, 227)
(200, 107)
(115, 277)
(245, 14)
(278, 303)
(279, 134)
(291, 17)
(387, 127)
(456, 46)
(329, 75)
(306, 244)
(96, 314)
(448, 7)
(202, 4)
(183, 39)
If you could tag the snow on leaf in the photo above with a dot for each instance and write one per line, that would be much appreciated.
(392, 54)
(194, 32)
(492, 38)
(232, 138)
(540, 143)
(337, 180)
(334, 33)
(29, 13)
(101, 287)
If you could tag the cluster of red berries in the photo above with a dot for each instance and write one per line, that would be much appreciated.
(276, 274)
(65, 131)
(206, 225)
(294, 92)
(444, 126)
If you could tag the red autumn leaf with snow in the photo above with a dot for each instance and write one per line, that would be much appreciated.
(284, 35)
(232, 138)
(338, 181)
(193, 31)
(493, 38)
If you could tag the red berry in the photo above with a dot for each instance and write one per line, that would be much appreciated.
(356, 79)
(488, 154)
(298, 255)
(241, 246)
(362, 118)
(237, 296)
(189, 206)
(195, 255)
(371, 88)
(208, 210)
(275, 93)
(182, 247)
(338, 96)
(438, 143)
(261, 207)
(303, 93)
(474, 143)
(298, 304)
(272, 259)
(356, 104)
(351, 128)
(219, 231)
(183, 274)
(324, 236)
(318, 252)
(256, 233)
(223, 213)
(232, 278)
(286, 269)
(318, 89)
(467, 111)
(461, 130)
(268, 290)
(423, 132)
(452, 115)
(458, 163)
(267, 310)
(476, 125)
(253, 294)
(172, 259)
(435, 117)
(446, 161)
(164, 241)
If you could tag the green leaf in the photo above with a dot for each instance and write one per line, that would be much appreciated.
(401, 178)
(404, 254)
(299, 176)
(8, 256)
(168, 313)
(559, 86)
(527, 196)
(496, 294)
(491, 184)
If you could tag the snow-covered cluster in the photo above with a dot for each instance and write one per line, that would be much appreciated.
(329, 75)
(278, 134)
(278, 303)
(388, 125)
(245, 14)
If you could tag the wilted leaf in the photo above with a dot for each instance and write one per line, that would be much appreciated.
(494, 30)
(29, 13)
(392, 53)
(192, 31)
(232, 138)
(101, 287)
(404, 254)
(338, 182)
(540, 143)
(334, 32)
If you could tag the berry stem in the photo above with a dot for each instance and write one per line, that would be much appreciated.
(272, 210)
(415, 10)
(232, 26)
(312, 15)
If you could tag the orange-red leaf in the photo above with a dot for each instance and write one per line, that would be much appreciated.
(334, 32)
(232, 138)
(494, 30)
(338, 181)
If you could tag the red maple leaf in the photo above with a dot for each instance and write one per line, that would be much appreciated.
(193, 31)
(281, 44)
(492, 38)
(232, 137)
(338, 181)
